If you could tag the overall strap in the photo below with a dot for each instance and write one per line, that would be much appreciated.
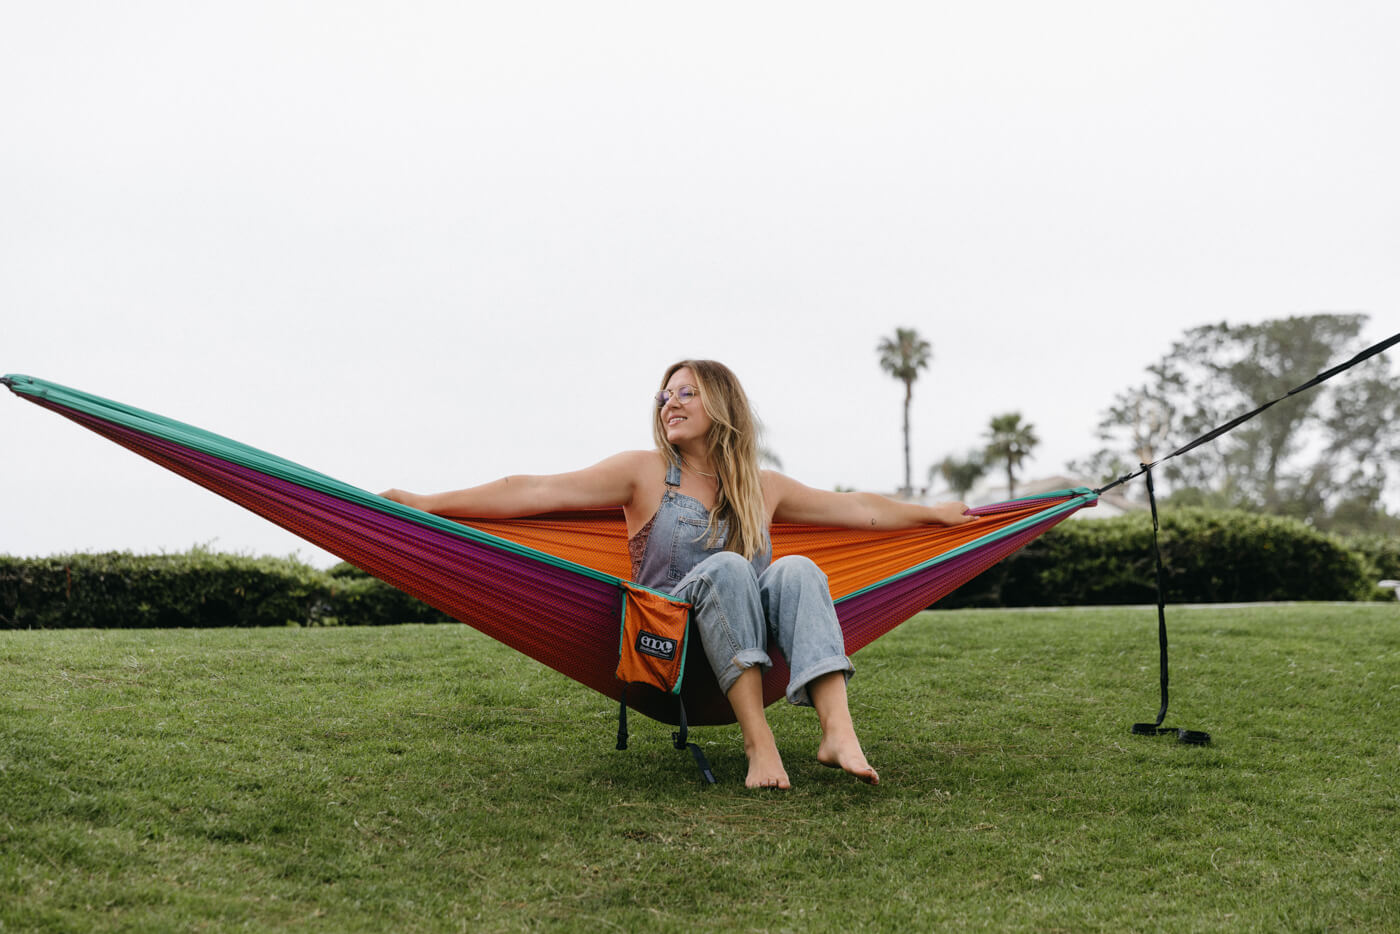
(673, 474)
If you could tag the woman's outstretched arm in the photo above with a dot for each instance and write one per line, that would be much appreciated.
(612, 482)
(794, 502)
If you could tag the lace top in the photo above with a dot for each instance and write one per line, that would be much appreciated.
(637, 545)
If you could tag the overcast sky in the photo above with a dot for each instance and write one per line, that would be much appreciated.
(428, 244)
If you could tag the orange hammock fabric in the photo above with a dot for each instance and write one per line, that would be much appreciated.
(852, 559)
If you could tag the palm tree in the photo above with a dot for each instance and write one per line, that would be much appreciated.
(903, 356)
(1010, 440)
(961, 474)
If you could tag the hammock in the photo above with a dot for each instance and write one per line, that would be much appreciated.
(555, 587)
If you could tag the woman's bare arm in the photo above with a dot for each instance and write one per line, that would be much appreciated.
(611, 482)
(794, 502)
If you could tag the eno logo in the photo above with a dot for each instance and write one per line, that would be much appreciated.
(656, 646)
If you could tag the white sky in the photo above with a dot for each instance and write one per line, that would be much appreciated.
(428, 244)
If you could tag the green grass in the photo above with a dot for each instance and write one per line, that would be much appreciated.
(424, 778)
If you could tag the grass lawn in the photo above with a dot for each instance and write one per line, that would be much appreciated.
(424, 778)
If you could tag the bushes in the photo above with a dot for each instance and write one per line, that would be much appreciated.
(1208, 557)
(196, 589)
(1382, 557)
(357, 599)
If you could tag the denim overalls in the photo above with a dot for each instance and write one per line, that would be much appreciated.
(742, 607)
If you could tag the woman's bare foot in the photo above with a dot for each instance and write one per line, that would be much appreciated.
(839, 749)
(765, 767)
(844, 752)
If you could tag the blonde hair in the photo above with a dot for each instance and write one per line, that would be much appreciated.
(732, 447)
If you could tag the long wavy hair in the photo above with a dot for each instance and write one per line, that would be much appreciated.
(732, 447)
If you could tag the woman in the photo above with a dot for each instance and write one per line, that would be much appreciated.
(698, 510)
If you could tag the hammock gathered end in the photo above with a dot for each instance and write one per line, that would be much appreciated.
(555, 587)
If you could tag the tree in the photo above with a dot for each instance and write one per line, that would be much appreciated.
(903, 356)
(961, 474)
(1142, 424)
(1010, 440)
(1316, 456)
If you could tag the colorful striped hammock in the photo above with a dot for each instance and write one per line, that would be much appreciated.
(555, 587)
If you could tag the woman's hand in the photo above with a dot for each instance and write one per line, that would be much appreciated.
(951, 512)
(403, 496)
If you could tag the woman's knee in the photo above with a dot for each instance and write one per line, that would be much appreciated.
(725, 566)
(797, 568)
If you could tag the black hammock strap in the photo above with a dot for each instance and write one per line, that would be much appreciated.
(679, 738)
(1197, 737)
(1193, 737)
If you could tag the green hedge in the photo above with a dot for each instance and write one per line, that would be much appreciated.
(357, 599)
(197, 589)
(1208, 556)
(1382, 557)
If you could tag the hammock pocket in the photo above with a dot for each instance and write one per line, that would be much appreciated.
(555, 587)
(652, 648)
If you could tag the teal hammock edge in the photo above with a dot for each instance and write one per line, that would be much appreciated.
(215, 445)
(1080, 497)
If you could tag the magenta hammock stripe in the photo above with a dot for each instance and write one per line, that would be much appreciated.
(568, 621)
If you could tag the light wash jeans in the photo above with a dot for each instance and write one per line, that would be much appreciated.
(741, 608)
(740, 612)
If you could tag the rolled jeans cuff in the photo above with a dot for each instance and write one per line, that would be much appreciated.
(745, 658)
(797, 692)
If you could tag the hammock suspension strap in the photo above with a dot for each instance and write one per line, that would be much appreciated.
(678, 738)
(1196, 737)
(1191, 737)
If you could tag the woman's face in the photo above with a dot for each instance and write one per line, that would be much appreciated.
(684, 421)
